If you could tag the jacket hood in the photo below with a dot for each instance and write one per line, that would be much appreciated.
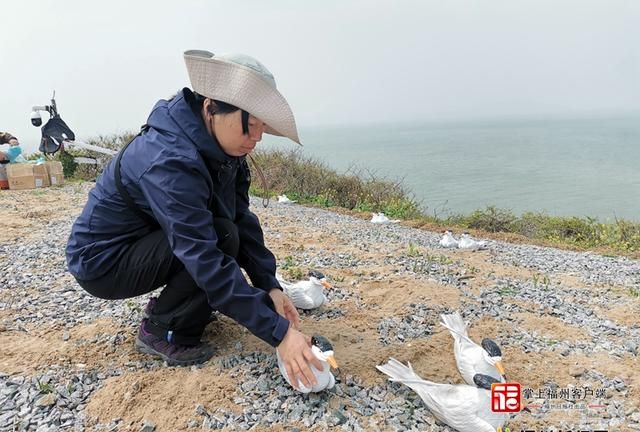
(176, 117)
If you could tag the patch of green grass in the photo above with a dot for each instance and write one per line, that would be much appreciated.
(541, 280)
(506, 291)
(475, 270)
(69, 165)
(44, 388)
(323, 200)
(491, 219)
(424, 265)
(413, 250)
(621, 236)
(295, 273)
(288, 262)
(308, 180)
(132, 306)
(438, 259)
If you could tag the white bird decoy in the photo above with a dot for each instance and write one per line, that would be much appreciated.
(283, 199)
(463, 407)
(323, 350)
(466, 242)
(471, 358)
(448, 240)
(380, 218)
(307, 294)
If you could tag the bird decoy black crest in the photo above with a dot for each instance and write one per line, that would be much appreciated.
(316, 274)
(491, 347)
(484, 381)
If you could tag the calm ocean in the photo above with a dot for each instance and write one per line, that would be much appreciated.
(582, 167)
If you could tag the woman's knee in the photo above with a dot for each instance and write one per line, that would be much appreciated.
(98, 289)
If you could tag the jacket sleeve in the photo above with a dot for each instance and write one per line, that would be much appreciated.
(254, 257)
(178, 192)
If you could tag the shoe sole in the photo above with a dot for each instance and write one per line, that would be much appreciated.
(145, 349)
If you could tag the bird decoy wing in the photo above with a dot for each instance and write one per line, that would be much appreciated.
(317, 297)
(305, 294)
(300, 299)
(462, 407)
(283, 283)
(285, 375)
(458, 331)
(471, 359)
(486, 418)
(479, 425)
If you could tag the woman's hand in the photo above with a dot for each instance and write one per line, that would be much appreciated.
(284, 306)
(295, 353)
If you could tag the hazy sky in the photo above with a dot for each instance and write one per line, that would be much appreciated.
(335, 61)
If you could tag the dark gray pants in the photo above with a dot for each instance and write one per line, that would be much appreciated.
(148, 264)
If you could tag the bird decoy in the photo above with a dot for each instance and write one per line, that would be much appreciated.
(283, 199)
(466, 408)
(380, 218)
(466, 242)
(448, 240)
(307, 294)
(471, 358)
(323, 351)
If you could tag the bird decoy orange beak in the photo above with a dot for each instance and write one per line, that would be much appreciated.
(325, 284)
(332, 362)
(500, 368)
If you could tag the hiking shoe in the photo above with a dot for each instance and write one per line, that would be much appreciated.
(173, 354)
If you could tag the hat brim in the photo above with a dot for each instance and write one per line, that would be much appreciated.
(243, 87)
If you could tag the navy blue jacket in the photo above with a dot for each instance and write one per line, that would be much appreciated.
(165, 173)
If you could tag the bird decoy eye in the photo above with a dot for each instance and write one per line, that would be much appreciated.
(322, 343)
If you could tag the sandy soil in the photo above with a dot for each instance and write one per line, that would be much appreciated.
(136, 396)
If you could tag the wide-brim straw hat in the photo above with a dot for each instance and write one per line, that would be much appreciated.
(242, 81)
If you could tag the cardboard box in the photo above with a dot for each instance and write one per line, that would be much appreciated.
(27, 176)
(56, 174)
(4, 180)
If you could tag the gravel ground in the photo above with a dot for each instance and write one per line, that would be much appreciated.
(36, 292)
